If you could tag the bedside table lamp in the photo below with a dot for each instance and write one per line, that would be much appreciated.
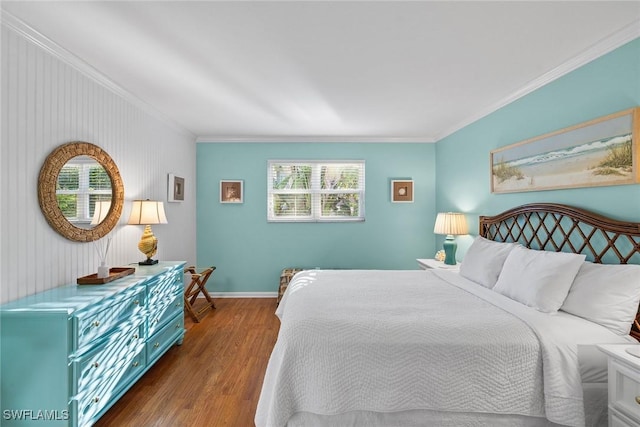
(147, 212)
(450, 224)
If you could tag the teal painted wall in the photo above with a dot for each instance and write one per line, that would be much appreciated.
(249, 252)
(606, 85)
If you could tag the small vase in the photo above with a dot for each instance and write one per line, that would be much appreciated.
(103, 271)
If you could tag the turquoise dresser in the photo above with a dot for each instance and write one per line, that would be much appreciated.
(68, 354)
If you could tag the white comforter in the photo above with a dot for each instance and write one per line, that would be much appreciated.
(389, 341)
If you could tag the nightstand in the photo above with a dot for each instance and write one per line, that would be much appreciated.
(429, 263)
(624, 385)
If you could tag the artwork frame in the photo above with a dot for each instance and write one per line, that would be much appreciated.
(175, 188)
(402, 191)
(231, 191)
(599, 152)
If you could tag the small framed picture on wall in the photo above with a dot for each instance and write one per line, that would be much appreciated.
(231, 191)
(402, 191)
(175, 189)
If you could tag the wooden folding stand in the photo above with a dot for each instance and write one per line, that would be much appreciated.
(195, 288)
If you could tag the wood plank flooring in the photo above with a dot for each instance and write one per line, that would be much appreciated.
(213, 379)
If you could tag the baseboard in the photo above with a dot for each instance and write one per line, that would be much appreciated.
(243, 294)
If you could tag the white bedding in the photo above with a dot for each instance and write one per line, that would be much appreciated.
(402, 341)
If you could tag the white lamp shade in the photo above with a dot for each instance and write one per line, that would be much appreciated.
(100, 211)
(451, 223)
(147, 212)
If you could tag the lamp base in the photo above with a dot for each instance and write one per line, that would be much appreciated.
(148, 245)
(450, 247)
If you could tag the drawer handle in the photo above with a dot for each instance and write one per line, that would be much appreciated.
(638, 400)
(177, 325)
(156, 345)
(135, 364)
(96, 399)
(135, 336)
(95, 364)
(136, 302)
(156, 292)
(96, 323)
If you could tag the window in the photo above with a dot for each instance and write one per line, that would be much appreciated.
(315, 191)
(81, 183)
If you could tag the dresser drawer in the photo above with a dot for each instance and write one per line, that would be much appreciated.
(90, 403)
(625, 396)
(109, 358)
(166, 284)
(616, 419)
(165, 310)
(93, 324)
(158, 343)
(134, 368)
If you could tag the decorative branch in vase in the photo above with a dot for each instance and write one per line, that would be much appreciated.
(102, 250)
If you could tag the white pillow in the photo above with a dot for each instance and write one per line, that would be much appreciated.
(538, 279)
(483, 261)
(606, 294)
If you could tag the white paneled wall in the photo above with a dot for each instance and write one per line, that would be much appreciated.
(47, 101)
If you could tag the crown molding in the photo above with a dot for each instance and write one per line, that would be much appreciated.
(316, 139)
(64, 55)
(617, 39)
(23, 29)
(604, 46)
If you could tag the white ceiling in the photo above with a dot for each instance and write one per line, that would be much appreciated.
(330, 70)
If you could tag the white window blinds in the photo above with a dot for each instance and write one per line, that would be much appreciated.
(315, 191)
(82, 183)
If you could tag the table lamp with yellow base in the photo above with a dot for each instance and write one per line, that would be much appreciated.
(147, 212)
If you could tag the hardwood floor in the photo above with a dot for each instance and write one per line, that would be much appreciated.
(213, 379)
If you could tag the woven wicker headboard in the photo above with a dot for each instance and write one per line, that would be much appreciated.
(556, 227)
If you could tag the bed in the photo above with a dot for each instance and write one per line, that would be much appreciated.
(509, 340)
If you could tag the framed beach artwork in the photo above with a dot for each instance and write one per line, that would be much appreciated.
(599, 152)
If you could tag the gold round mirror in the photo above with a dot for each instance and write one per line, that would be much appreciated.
(80, 191)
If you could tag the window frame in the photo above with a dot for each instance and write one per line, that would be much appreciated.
(315, 191)
(84, 192)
